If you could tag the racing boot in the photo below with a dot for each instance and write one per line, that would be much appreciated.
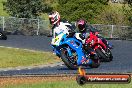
(110, 46)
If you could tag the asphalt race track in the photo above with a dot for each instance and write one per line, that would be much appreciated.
(122, 61)
(41, 43)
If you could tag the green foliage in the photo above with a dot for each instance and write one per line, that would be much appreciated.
(2, 12)
(129, 2)
(112, 14)
(75, 9)
(26, 8)
(128, 12)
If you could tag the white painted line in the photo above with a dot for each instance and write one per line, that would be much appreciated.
(18, 69)
(29, 68)
(5, 70)
(21, 49)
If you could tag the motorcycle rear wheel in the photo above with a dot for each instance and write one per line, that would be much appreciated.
(103, 56)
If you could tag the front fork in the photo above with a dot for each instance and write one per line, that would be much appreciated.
(69, 51)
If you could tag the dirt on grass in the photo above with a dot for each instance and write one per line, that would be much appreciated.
(23, 80)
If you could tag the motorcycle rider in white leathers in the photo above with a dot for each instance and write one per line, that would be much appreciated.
(66, 28)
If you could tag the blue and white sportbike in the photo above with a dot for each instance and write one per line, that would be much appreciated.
(70, 50)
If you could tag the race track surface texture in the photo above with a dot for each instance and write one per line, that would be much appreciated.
(122, 61)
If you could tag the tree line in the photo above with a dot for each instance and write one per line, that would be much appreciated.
(94, 11)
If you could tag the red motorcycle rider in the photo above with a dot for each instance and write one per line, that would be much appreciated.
(85, 30)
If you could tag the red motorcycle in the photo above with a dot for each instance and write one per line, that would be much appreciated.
(94, 42)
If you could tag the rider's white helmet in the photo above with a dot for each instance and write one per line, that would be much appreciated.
(54, 17)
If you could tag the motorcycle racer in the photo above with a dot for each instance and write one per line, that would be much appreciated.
(85, 29)
(81, 25)
(66, 28)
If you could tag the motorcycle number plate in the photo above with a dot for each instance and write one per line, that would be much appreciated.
(57, 39)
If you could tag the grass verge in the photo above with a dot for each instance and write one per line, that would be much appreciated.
(10, 57)
(52, 82)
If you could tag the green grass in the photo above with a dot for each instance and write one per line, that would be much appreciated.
(67, 84)
(19, 57)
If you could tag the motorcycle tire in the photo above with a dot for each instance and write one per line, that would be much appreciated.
(3, 36)
(65, 58)
(110, 54)
(103, 57)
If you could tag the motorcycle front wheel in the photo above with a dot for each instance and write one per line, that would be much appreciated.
(70, 62)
